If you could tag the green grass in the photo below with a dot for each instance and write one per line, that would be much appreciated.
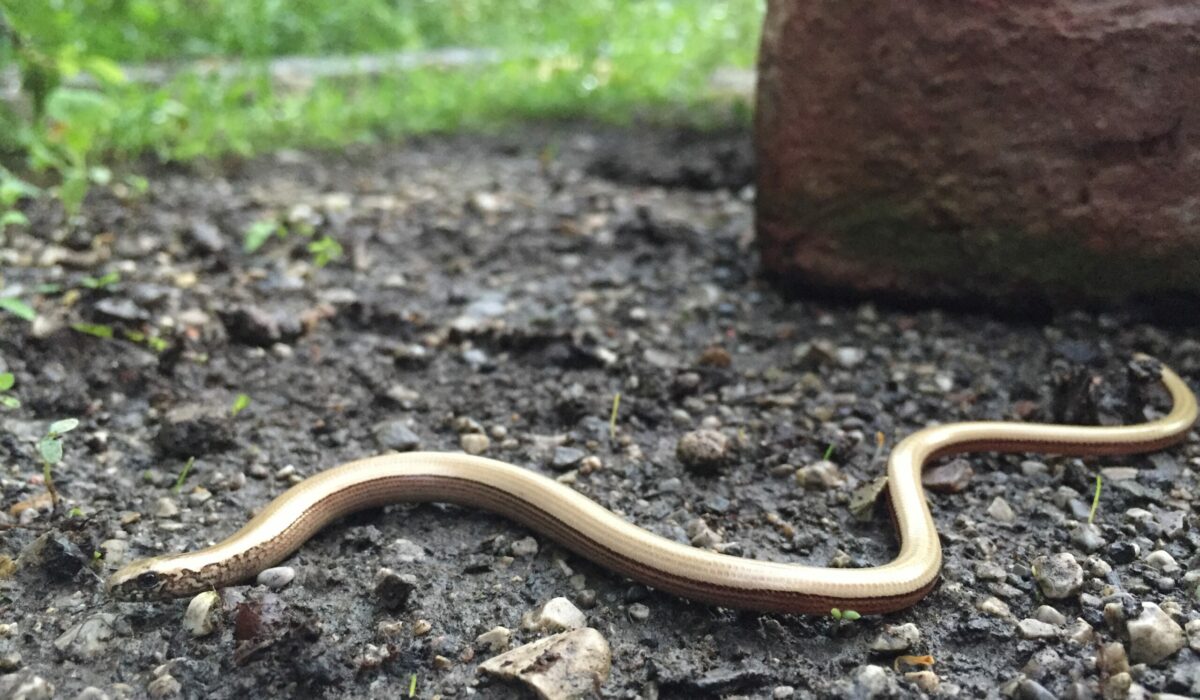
(595, 59)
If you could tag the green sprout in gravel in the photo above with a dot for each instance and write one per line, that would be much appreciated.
(612, 418)
(183, 474)
(101, 282)
(847, 615)
(6, 384)
(260, 232)
(18, 308)
(239, 404)
(324, 250)
(12, 191)
(828, 452)
(1095, 501)
(97, 330)
(50, 448)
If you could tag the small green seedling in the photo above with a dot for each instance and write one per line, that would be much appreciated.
(412, 686)
(324, 250)
(6, 383)
(612, 418)
(154, 342)
(18, 308)
(239, 404)
(13, 190)
(261, 231)
(828, 452)
(101, 282)
(50, 448)
(1095, 501)
(847, 615)
(98, 330)
(183, 475)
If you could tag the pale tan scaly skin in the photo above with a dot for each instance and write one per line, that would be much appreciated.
(598, 534)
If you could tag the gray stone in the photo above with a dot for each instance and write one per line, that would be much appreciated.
(897, 638)
(276, 577)
(396, 435)
(1153, 636)
(568, 665)
(393, 590)
(1059, 576)
(703, 450)
(565, 458)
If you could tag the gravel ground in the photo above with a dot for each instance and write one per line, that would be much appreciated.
(495, 295)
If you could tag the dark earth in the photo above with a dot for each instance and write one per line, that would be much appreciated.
(512, 285)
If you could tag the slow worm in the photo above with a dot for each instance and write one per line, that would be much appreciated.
(598, 534)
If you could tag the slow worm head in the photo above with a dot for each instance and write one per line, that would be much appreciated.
(600, 535)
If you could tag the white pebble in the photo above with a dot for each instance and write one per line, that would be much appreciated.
(496, 639)
(557, 614)
(474, 443)
(1153, 636)
(276, 577)
(199, 618)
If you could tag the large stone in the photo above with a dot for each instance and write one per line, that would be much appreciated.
(1041, 151)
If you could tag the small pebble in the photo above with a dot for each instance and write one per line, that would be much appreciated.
(164, 686)
(995, 607)
(1081, 633)
(1036, 629)
(1000, 511)
(1118, 686)
(1162, 561)
(820, 475)
(1193, 634)
(572, 664)
(849, 357)
(1112, 659)
(524, 548)
(396, 435)
(1153, 636)
(393, 590)
(1029, 689)
(200, 618)
(165, 507)
(897, 638)
(496, 639)
(565, 458)
(421, 628)
(557, 614)
(703, 450)
(927, 681)
(783, 692)
(952, 477)
(276, 577)
(1087, 537)
(1058, 576)
(474, 443)
(1049, 615)
(639, 612)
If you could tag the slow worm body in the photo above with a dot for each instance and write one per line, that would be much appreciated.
(598, 534)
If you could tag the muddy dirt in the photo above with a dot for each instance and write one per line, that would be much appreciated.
(508, 287)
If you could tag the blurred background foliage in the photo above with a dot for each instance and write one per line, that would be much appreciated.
(599, 59)
(73, 105)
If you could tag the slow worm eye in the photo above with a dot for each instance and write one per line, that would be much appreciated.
(148, 579)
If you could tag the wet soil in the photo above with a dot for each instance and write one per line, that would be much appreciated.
(513, 285)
